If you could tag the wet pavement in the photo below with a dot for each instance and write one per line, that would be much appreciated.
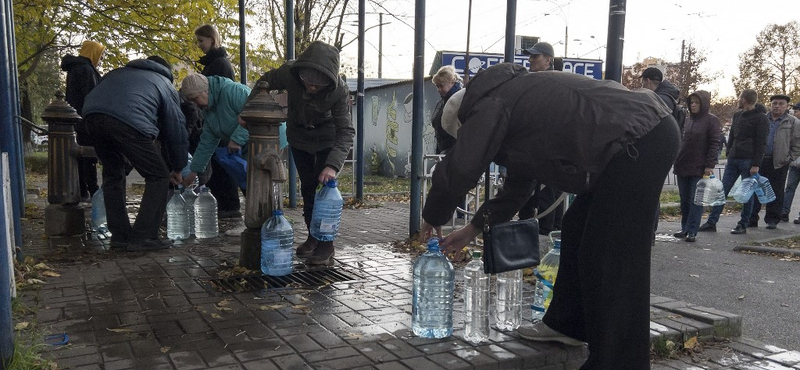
(158, 310)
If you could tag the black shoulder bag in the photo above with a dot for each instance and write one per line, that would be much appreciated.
(511, 245)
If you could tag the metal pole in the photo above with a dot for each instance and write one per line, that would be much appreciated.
(242, 43)
(290, 56)
(616, 39)
(359, 165)
(511, 21)
(418, 116)
(566, 39)
(466, 54)
(16, 158)
(380, 45)
(6, 139)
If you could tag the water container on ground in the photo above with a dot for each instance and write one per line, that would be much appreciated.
(327, 214)
(476, 301)
(205, 215)
(277, 238)
(177, 218)
(432, 294)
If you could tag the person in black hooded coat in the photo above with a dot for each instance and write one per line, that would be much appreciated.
(82, 77)
(215, 63)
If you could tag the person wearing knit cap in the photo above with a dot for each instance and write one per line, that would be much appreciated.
(221, 101)
(82, 77)
(318, 128)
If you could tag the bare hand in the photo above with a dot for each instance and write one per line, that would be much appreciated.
(753, 170)
(241, 121)
(189, 180)
(233, 147)
(327, 175)
(458, 239)
(709, 171)
(427, 232)
(175, 178)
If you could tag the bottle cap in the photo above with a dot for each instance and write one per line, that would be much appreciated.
(476, 254)
(331, 183)
(277, 212)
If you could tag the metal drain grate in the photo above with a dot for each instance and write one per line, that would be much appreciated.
(297, 279)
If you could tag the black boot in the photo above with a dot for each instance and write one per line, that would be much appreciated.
(305, 249)
(322, 255)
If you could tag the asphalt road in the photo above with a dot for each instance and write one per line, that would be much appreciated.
(763, 289)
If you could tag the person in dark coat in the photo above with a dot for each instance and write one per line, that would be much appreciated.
(700, 145)
(131, 108)
(318, 128)
(215, 61)
(747, 142)
(613, 148)
(447, 83)
(82, 77)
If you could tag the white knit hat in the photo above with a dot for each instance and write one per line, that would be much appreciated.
(194, 84)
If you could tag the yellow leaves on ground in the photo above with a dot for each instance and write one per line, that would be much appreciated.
(21, 325)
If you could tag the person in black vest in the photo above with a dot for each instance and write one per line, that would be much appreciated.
(82, 77)
(216, 63)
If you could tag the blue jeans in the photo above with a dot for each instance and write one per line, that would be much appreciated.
(690, 212)
(792, 179)
(733, 169)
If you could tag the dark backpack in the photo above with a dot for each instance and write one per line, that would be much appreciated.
(679, 113)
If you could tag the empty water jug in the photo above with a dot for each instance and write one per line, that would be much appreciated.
(277, 237)
(99, 220)
(327, 214)
(745, 191)
(432, 294)
(709, 192)
(764, 190)
(177, 219)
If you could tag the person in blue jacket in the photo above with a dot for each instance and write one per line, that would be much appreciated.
(221, 100)
(125, 113)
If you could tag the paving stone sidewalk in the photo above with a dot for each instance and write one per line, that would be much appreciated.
(155, 311)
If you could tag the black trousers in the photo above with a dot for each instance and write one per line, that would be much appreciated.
(777, 178)
(223, 186)
(309, 166)
(115, 142)
(602, 292)
(87, 168)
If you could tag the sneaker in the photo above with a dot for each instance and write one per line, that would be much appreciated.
(771, 226)
(147, 245)
(691, 238)
(740, 229)
(709, 227)
(540, 332)
(680, 234)
(797, 221)
(785, 217)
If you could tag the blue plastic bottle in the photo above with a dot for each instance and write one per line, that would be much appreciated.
(432, 300)
(99, 220)
(327, 214)
(277, 237)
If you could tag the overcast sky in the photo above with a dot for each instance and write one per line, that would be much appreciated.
(723, 29)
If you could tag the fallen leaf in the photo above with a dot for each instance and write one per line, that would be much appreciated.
(693, 275)
(35, 281)
(120, 330)
(164, 349)
(49, 273)
(784, 305)
(741, 297)
(21, 325)
(216, 316)
(691, 343)
(41, 266)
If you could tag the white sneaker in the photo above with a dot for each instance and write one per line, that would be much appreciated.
(236, 231)
(540, 332)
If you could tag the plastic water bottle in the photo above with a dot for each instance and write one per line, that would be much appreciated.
(709, 192)
(277, 238)
(327, 214)
(99, 219)
(190, 197)
(177, 219)
(476, 301)
(745, 190)
(205, 215)
(764, 190)
(508, 305)
(546, 274)
(432, 299)
(188, 169)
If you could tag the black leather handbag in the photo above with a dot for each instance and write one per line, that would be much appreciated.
(511, 245)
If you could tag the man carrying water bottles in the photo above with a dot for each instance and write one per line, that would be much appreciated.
(613, 148)
(318, 128)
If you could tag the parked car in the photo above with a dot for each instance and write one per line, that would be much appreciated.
(39, 140)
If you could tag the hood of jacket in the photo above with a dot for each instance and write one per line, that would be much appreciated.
(150, 65)
(212, 55)
(705, 103)
(485, 81)
(69, 61)
(667, 88)
(322, 57)
(758, 109)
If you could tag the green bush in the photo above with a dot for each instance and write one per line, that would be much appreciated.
(36, 162)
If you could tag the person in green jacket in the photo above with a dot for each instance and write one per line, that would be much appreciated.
(221, 100)
(318, 128)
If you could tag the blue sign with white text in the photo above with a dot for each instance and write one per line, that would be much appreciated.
(478, 61)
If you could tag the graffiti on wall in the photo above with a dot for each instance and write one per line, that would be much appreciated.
(391, 132)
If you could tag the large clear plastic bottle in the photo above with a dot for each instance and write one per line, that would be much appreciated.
(190, 197)
(476, 301)
(545, 275)
(277, 238)
(432, 295)
(508, 303)
(99, 219)
(709, 192)
(177, 219)
(764, 190)
(327, 214)
(205, 215)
